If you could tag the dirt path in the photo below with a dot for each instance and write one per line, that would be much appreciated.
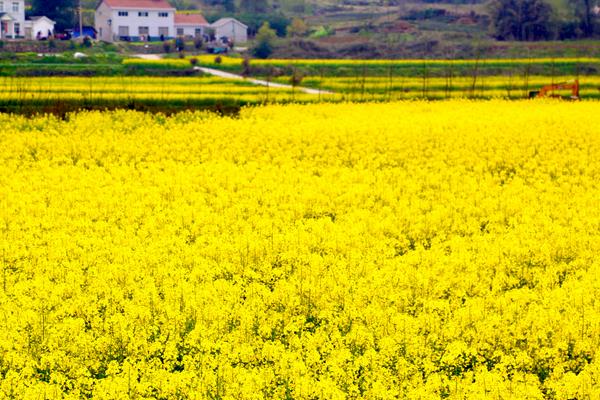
(148, 56)
(228, 75)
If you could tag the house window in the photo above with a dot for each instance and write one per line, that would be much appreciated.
(123, 31)
(143, 30)
(163, 31)
(1, 6)
(123, 13)
(163, 14)
(16, 7)
(179, 31)
(143, 14)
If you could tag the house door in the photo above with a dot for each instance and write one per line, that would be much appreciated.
(28, 33)
(123, 31)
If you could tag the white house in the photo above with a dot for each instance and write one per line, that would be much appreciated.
(232, 29)
(135, 20)
(12, 19)
(14, 26)
(39, 28)
(191, 25)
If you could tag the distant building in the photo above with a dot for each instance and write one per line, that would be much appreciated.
(39, 28)
(12, 19)
(232, 29)
(13, 24)
(191, 25)
(140, 20)
(135, 20)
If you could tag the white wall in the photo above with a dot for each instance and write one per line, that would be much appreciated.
(42, 26)
(19, 16)
(190, 30)
(233, 30)
(103, 14)
(133, 21)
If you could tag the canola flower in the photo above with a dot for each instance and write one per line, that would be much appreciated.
(139, 88)
(395, 88)
(88, 90)
(227, 61)
(369, 251)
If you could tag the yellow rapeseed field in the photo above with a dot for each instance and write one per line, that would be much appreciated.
(353, 251)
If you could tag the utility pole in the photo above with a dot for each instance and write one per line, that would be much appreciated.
(80, 21)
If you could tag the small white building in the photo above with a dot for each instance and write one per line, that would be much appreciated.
(39, 28)
(191, 25)
(135, 20)
(232, 29)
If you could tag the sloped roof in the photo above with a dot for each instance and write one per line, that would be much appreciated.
(143, 4)
(5, 17)
(42, 17)
(190, 19)
(224, 21)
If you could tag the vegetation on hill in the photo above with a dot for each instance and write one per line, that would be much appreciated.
(388, 28)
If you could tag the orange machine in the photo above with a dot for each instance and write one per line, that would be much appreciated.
(548, 91)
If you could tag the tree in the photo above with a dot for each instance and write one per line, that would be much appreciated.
(521, 19)
(297, 28)
(265, 39)
(64, 12)
(254, 6)
(584, 12)
(228, 5)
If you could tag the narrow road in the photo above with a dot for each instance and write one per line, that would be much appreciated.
(148, 56)
(228, 75)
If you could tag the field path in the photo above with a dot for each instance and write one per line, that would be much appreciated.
(228, 75)
(148, 56)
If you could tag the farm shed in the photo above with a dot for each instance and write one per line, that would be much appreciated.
(231, 28)
(39, 28)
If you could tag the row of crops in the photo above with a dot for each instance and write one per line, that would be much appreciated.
(332, 80)
(19, 94)
(198, 92)
(337, 67)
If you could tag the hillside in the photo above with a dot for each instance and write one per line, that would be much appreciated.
(383, 28)
(389, 28)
